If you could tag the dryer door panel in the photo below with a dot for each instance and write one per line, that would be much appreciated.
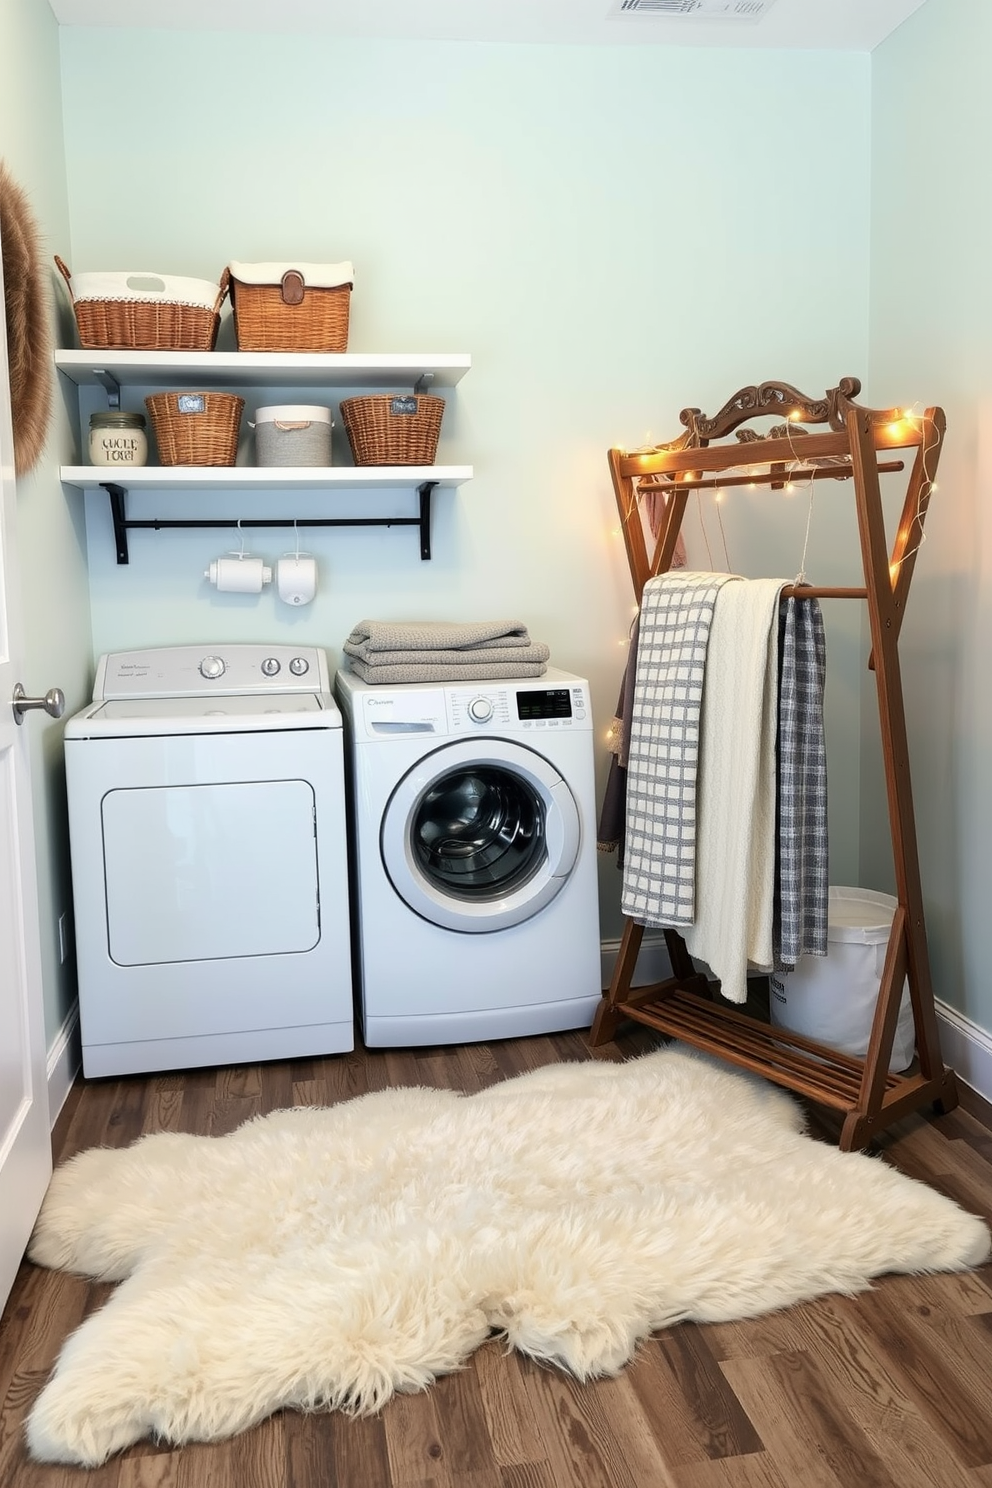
(205, 872)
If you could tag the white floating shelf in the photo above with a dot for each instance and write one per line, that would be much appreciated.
(254, 478)
(209, 369)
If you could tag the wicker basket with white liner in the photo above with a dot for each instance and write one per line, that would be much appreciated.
(832, 998)
(135, 310)
(393, 428)
(291, 306)
(292, 434)
(196, 428)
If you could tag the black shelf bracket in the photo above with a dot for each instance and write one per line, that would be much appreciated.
(117, 511)
(110, 385)
(124, 524)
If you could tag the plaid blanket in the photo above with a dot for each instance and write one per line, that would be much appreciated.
(802, 879)
(663, 751)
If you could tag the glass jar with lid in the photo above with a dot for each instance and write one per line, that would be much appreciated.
(118, 438)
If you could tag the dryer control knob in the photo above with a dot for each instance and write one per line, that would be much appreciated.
(212, 666)
(270, 666)
(480, 710)
(299, 666)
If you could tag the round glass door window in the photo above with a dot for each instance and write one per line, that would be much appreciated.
(478, 833)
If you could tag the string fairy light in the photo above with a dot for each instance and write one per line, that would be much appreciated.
(797, 471)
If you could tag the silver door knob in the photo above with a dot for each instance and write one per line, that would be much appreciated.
(53, 703)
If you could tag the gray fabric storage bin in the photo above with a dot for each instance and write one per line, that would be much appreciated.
(293, 434)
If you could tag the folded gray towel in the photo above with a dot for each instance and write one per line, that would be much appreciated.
(477, 656)
(476, 671)
(436, 635)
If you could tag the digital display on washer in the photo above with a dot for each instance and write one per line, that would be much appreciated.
(544, 702)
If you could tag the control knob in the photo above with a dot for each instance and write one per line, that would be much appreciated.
(212, 667)
(480, 709)
(299, 666)
(270, 666)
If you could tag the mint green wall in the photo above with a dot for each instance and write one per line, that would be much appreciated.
(51, 537)
(612, 233)
(931, 326)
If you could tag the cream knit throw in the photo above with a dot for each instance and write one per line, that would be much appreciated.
(735, 825)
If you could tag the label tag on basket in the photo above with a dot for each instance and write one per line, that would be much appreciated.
(403, 405)
(190, 402)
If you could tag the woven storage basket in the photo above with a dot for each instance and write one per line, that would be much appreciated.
(393, 429)
(292, 313)
(196, 428)
(115, 322)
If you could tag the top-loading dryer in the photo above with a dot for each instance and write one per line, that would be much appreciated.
(474, 857)
(209, 859)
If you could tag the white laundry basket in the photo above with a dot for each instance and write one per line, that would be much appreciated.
(832, 998)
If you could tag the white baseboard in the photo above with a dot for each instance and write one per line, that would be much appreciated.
(65, 1060)
(965, 1046)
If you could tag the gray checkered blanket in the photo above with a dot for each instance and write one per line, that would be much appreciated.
(802, 896)
(659, 870)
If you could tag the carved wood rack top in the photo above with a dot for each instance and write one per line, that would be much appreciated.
(789, 452)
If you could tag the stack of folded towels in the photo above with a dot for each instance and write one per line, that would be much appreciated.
(391, 651)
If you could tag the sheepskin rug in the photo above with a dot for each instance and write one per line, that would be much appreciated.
(326, 1258)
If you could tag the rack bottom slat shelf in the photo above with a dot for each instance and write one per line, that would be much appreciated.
(808, 1068)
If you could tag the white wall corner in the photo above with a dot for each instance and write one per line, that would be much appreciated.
(653, 964)
(65, 1060)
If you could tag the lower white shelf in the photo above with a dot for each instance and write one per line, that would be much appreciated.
(424, 479)
(257, 478)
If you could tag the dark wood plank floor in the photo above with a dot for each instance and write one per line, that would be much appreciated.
(892, 1389)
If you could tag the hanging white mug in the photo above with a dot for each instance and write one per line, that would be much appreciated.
(297, 578)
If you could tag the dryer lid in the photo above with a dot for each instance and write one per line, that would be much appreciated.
(128, 717)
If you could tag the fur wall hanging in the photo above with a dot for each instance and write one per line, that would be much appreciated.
(29, 337)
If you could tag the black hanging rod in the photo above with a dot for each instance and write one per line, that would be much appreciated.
(123, 523)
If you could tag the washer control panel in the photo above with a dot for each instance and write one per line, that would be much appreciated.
(195, 671)
(516, 707)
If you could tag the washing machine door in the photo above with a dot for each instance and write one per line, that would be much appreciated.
(479, 835)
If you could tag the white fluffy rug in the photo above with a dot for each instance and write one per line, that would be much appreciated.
(327, 1258)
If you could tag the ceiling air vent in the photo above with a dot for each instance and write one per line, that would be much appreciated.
(701, 10)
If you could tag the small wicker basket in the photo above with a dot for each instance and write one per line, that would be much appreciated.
(393, 429)
(196, 428)
(119, 323)
(292, 313)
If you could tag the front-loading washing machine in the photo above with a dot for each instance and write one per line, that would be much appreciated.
(209, 859)
(474, 882)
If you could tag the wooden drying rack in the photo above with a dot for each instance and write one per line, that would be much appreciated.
(863, 1091)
